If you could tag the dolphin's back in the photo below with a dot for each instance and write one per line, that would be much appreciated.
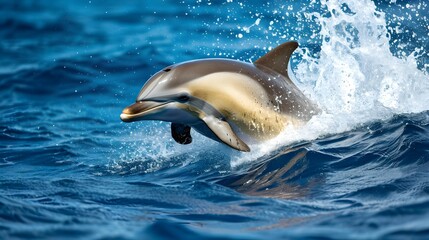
(283, 94)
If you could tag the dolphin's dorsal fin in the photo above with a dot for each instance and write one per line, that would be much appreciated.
(223, 131)
(278, 58)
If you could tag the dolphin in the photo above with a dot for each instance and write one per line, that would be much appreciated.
(229, 101)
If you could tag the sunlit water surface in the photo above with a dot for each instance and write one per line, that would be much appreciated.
(71, 169)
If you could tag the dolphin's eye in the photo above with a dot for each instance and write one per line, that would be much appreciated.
(167, 69)
(183, 98)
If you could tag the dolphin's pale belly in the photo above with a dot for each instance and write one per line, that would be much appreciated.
(244, 103)
(260, 125)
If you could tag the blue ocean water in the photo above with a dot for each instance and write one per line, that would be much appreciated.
(70, 169)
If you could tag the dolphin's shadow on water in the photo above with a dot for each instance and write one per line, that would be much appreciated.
(284, 175)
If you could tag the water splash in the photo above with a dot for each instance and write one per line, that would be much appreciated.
(151, 148)
(357, 72)
(355, 79)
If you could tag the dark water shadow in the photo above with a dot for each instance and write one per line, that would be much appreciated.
(280, 176)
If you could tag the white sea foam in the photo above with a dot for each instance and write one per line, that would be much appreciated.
(152, 148)
(356, 78)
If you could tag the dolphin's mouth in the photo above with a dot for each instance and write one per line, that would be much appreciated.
(138, 110)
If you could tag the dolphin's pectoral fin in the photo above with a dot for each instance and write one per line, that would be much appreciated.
(223, 131)
(181, 133)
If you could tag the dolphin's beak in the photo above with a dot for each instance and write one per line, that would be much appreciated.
(139, 110)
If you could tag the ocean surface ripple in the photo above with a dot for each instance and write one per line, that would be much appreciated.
(70, 169)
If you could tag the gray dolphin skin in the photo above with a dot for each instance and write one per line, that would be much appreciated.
(229, 101)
